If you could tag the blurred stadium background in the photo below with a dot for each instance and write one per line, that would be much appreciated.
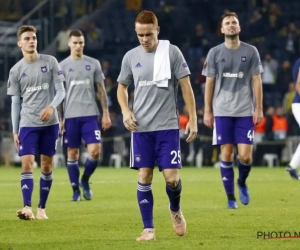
(273, 26)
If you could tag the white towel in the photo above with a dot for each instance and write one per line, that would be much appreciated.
(162, 68)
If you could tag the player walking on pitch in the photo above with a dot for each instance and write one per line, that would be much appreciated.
(80, 113)
(154, 67)
(36, 86)
(233, 75)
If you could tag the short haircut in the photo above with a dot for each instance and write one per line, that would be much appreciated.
(76, 33)
(25, 28)
(229, 14)
(147, 17)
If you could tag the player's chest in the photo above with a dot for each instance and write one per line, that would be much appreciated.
(79, 72)
(142, 68)
(226, 62)
(35, 75)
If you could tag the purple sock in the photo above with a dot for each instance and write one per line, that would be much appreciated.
(244, 170)
(174, 196)
(90, 166)
(27, 187)
(45, 186)
(73, 171)
(145, 200)
(227, 175)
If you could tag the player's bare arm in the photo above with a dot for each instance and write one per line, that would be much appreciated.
(189, 99)
(257, 89)
(60, 110)
(128, 117)
(209, 91)
(297, 86)
(106, 122)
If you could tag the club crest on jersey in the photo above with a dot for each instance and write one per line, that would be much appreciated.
(88, 67)
(44, 69)
(243, 58)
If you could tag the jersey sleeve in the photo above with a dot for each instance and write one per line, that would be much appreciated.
(57, 73)
(98, 75)
(13, 85)
(180, 67)
(256, 65)
(125, 76)
(209, 68)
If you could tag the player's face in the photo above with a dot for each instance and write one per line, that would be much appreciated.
(147, 35)
(76, 45)
(28, 42)
(230, 26)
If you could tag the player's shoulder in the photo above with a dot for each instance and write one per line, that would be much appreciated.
(17, 66)
(174, 49)
(90, 60)
(65, 62)
(47, 58)
(248, 46)
(217, 48)
(132, 52)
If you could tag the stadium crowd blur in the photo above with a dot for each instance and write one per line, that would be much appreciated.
(193, 25)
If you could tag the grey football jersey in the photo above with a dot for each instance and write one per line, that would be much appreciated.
(155, 108)
(233, 70)
(81, 76)
(34, 83)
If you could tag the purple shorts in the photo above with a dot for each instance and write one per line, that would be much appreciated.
(158, 147)
(233, 130)
(86, 128)
(42, 140)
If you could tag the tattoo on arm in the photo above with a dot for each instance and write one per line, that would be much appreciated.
(102, 96)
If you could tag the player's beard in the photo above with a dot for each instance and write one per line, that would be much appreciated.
(232, 36)
(30, 52)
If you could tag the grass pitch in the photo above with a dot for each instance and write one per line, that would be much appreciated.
(112, 219)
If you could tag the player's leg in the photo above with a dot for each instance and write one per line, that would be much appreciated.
(91, 134)
(142, 157)
(72, 141)
(27, 149)
(295, 161)
(47, 144)
(244, 135)
(169, 161)
(223, 135)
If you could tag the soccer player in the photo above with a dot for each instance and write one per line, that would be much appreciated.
(233, 75)
(295, 161)
(154, 119)
(36, 86)
(81, 112)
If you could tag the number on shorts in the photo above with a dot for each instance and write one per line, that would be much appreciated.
(250, 135)
(176, 158)
(98, 134)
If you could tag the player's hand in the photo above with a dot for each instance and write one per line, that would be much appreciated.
(16, 141)
(106, 122)
(129, 120)
(191, 130)
(46, 114)
(258, 116)
(208, 119)
(61, 127)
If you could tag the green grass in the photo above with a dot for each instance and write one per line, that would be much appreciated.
(112, 220)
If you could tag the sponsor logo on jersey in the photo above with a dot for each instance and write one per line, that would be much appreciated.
(80, 82)
(88, 67)
(44, 86)
(60, 72)
(138, 65)
(233, 75)
(146, 83)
